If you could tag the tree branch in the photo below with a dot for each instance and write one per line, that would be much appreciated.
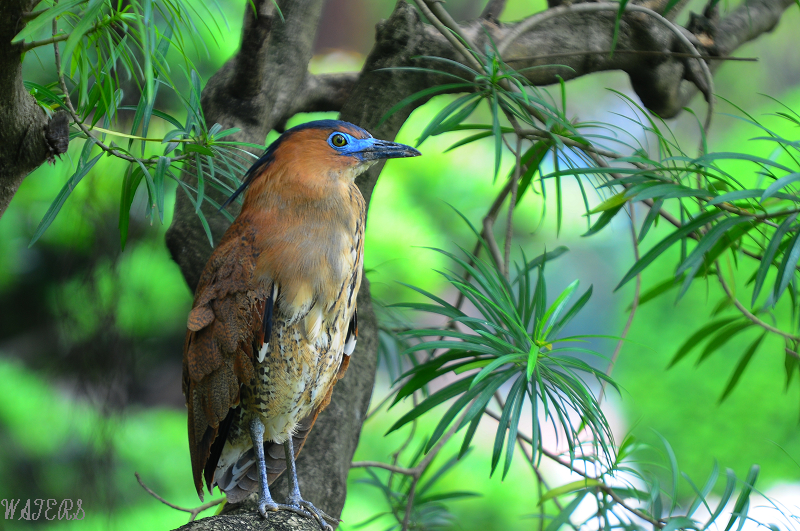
(193, 511)
(24, 127)
(707, 85)
(322, 93)
(493, 9)
(747, 313)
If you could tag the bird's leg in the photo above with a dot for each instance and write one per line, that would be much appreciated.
(294, 499)
(265, 501)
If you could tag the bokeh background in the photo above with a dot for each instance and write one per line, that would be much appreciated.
(91, 336)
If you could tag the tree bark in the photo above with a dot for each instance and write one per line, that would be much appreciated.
(27, 136)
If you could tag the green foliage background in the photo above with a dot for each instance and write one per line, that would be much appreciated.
(59, 440)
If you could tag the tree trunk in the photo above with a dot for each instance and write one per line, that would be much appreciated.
(27, 136)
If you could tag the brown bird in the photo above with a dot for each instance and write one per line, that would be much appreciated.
(274, 317)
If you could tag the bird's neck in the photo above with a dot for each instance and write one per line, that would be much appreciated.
(286, 189)
(307, 232)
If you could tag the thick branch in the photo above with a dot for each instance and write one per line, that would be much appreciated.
(493, 9)
(250, 521)
(27, 136)
(323, 93)
(748, 22)
(660, 82)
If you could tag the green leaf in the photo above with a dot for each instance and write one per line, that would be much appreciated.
(451, 413)
(667, 191)
(780, 183)
(730, 484)
(604, 219)
(479, 405)
(533, 159)
(617, 20)
(655, 291)
(144, 20)
(505, 419)
(539, 298)
(62, 196)
(723, 336)
(577, 307)
(581, 484)
(666, 243)
(473, 427)
(45, 19)
(710, 238)
(698, 337)
(514, 423)
(737, 195)
(787, 267)
(85, 22)
(198, 148)
(652, 215)
(496, 364)
(769, 255)
(432, 401)
(740, 367)
(469, 140)
(555, 309)
(130, 183)
(422, 94)
(610, 203)
(440, 124)
(701, 496)
(201, 180)
(498, 135)
(740, 156)
(790, 366)
(673, 468)
(200, 215)
(158, 184)
(739, 510)
(679, 522)
(563, 517)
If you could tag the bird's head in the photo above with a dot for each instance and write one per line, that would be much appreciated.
(324, 150)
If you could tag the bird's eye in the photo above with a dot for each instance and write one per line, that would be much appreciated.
(338, 140)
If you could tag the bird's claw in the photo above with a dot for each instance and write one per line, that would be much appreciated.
(309, 509)
(301, 507)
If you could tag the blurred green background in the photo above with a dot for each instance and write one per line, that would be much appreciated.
(91, 337)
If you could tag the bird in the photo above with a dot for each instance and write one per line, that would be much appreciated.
(274, 320)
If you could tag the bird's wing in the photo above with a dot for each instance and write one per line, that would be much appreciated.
(225, 322)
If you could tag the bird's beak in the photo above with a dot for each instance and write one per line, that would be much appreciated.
(383, 149)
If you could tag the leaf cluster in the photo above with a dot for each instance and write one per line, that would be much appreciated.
(112, 46)
(512, 344)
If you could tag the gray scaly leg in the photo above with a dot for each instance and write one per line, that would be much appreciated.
(294, 499)
(265, 501)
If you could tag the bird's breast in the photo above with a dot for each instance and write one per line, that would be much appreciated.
(310, 251)
(296, 373)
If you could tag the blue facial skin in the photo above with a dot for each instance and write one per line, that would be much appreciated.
(368, 149)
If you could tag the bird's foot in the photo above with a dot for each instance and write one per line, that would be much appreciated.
(268, 506)
(301, 507)
(307, 507)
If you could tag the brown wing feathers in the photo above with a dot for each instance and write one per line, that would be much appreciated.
(218, 352)
(262, 314)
